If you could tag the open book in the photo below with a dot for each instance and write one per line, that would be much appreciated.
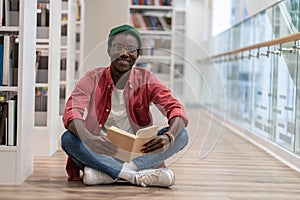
(130, 145)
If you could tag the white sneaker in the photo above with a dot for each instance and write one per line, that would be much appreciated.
(95, 177)
(162, 177)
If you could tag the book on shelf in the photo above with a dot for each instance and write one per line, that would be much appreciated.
(41, 65)
(43, 15)
(1, 59)
(152, 2)
(146, 21)
(11, 124)
(78, 10)
(9, 47)
(8, 122)
(41, 99)
(130, 145)
(3, 120)
(9, 12)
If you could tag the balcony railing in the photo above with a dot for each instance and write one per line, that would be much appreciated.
(257, 61)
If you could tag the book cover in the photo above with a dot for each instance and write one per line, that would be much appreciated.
(7, 61)
(5, 13)
(3, 121)
(130, 145)
(1, 12)
(11, 124)
(1, 59)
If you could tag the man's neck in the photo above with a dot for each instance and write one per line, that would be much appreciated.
(120, 79)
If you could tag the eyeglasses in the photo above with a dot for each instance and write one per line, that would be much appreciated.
(120, 47)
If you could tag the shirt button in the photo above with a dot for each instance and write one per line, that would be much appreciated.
(109, 86)
(100, 125)
(107, 110)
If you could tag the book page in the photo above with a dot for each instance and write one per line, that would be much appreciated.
(144, 135)
(147, 132)
(120, 138)
(129, 145)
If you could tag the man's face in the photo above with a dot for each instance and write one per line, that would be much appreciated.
(123, 52)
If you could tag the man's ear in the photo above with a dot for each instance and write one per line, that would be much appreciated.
(139, 53)
(108, 50)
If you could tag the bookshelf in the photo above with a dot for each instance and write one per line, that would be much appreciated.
(70, 50)
(161, 24)
(80, 8)
(46, 80)
(179, 43)
(17, 158)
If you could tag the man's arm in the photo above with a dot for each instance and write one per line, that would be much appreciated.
(177, 124)
(98, 144)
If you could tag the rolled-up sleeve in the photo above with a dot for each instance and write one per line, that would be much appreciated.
(79, 100)
(165, 100)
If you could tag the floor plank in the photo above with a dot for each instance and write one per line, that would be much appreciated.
(234, 169)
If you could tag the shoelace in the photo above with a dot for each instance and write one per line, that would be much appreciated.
(145, 179)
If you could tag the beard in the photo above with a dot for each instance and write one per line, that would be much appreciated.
(122, 65)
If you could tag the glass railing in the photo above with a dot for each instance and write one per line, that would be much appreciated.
(263, 84)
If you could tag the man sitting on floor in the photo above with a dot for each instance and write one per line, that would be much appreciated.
(120, 95)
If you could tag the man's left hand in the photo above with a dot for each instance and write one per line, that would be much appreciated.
(160, 143)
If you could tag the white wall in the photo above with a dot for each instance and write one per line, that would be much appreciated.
(255, 6)
(196, 31)
(100, 17)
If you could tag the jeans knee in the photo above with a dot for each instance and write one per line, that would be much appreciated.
(183, 138)
(66, 139)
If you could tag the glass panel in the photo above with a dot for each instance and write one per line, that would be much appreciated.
(262, 85)
(247, 30)
(297, 134)
(292, 8)
(232, 89)
(245, 77)
(262, 71)
(281, 22)
(235, 33)
(284, 94)
(263, 27)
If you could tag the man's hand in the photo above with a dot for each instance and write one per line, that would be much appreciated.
(98, 144)
(160, 143)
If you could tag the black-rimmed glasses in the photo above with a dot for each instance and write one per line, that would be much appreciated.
(120, 47)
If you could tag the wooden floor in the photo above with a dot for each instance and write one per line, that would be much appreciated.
(235, 169)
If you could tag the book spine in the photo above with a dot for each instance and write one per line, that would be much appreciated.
(1, 12)
(6, 62)
(6, 18)
(3, 121)
(11, 124)
(1, 59)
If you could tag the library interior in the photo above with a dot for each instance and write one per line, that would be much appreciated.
(232, 64)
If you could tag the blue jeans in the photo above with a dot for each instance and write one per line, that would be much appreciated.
(83, 156)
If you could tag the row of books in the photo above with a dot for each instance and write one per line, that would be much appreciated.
(152, 2)
(43, 14)
(41, 94)
(9, 50)
(155, 45)
(150, 22)
(41, 67)
(8, 122)
(9, 12)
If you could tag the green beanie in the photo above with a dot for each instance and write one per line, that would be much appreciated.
(125, 28)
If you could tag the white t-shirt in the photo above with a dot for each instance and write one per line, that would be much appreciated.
(118, 114)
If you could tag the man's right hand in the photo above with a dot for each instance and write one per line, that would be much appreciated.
(98, 144)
